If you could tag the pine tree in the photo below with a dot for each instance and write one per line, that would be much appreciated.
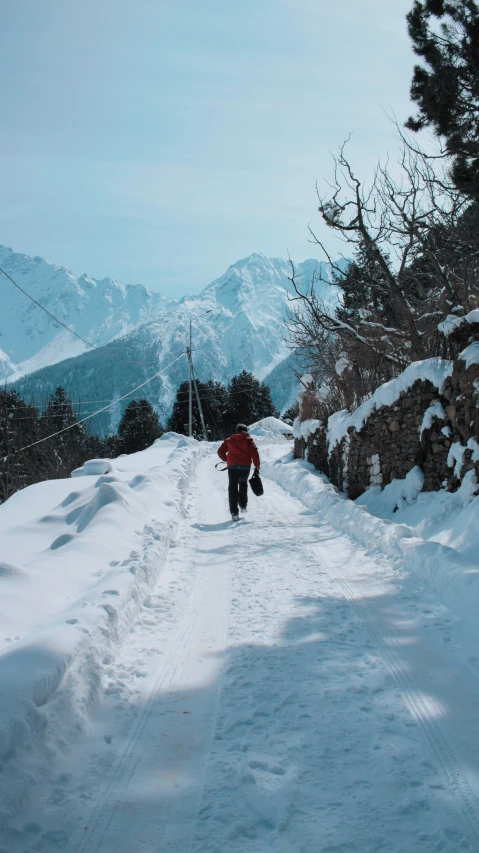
(139, 427)
(214, 401)
(179, 418)
(446, 87)
(365, 297)
(248, 401)
(291, 414)
(19, 427)
(62, 453)
(215, 406)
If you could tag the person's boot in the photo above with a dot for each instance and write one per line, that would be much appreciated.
(234, 516)
(243, 509)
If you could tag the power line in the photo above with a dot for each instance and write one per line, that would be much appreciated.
(77, 423)
(72, 403)
(230, 393)
(213, 418)
(99, 349)
(61, 415)
(178, 395)
(43, 417)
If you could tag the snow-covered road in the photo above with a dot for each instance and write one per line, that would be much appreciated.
(281, 691)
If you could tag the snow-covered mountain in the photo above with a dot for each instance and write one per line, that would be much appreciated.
(99, 311)
(238, 324)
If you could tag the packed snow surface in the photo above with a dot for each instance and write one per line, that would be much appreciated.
(306, 679)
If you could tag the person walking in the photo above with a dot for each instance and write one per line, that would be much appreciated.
(239, 451)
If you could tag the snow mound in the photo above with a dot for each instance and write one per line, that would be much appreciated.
(181, 440)
(94, 466)
(270, 425)
(395, 496)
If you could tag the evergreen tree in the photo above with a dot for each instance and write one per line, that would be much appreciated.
(66, 451)
(291, 414)
(139, 427)
(214, 401)
(248, 401)
(19, 427)
(215, 406)
(365, 297)
(446, 88)
(179, 418)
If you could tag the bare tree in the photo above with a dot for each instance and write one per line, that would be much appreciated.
(416, 255)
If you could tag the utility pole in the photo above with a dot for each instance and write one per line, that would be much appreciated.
(205, 434)
(190, 401)
(192, 383)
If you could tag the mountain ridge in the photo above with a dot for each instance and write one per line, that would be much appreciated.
(99, 310)
(238, 325)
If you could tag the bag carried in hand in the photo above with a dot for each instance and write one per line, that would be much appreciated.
(256, 484)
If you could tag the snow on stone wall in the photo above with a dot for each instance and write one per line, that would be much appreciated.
(433, 370)
(427, 417)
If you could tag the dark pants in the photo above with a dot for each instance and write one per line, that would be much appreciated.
(237, 488)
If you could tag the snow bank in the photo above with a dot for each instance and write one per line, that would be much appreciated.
(436, 370)
(77, 559)
(394, 497)
(434, 534)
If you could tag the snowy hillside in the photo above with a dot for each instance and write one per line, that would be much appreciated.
(99, 311)
(241, 328)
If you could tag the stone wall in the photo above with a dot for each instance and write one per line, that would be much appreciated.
(391, 442)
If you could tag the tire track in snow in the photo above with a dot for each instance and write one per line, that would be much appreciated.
(97, 837)
(126, 765)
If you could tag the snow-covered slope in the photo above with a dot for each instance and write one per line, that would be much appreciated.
(238, 325)
(99, 311)
(62, 553)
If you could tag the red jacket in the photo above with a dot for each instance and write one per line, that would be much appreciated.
(239, 449)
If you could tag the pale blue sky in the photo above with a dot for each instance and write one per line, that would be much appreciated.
(161, 141)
